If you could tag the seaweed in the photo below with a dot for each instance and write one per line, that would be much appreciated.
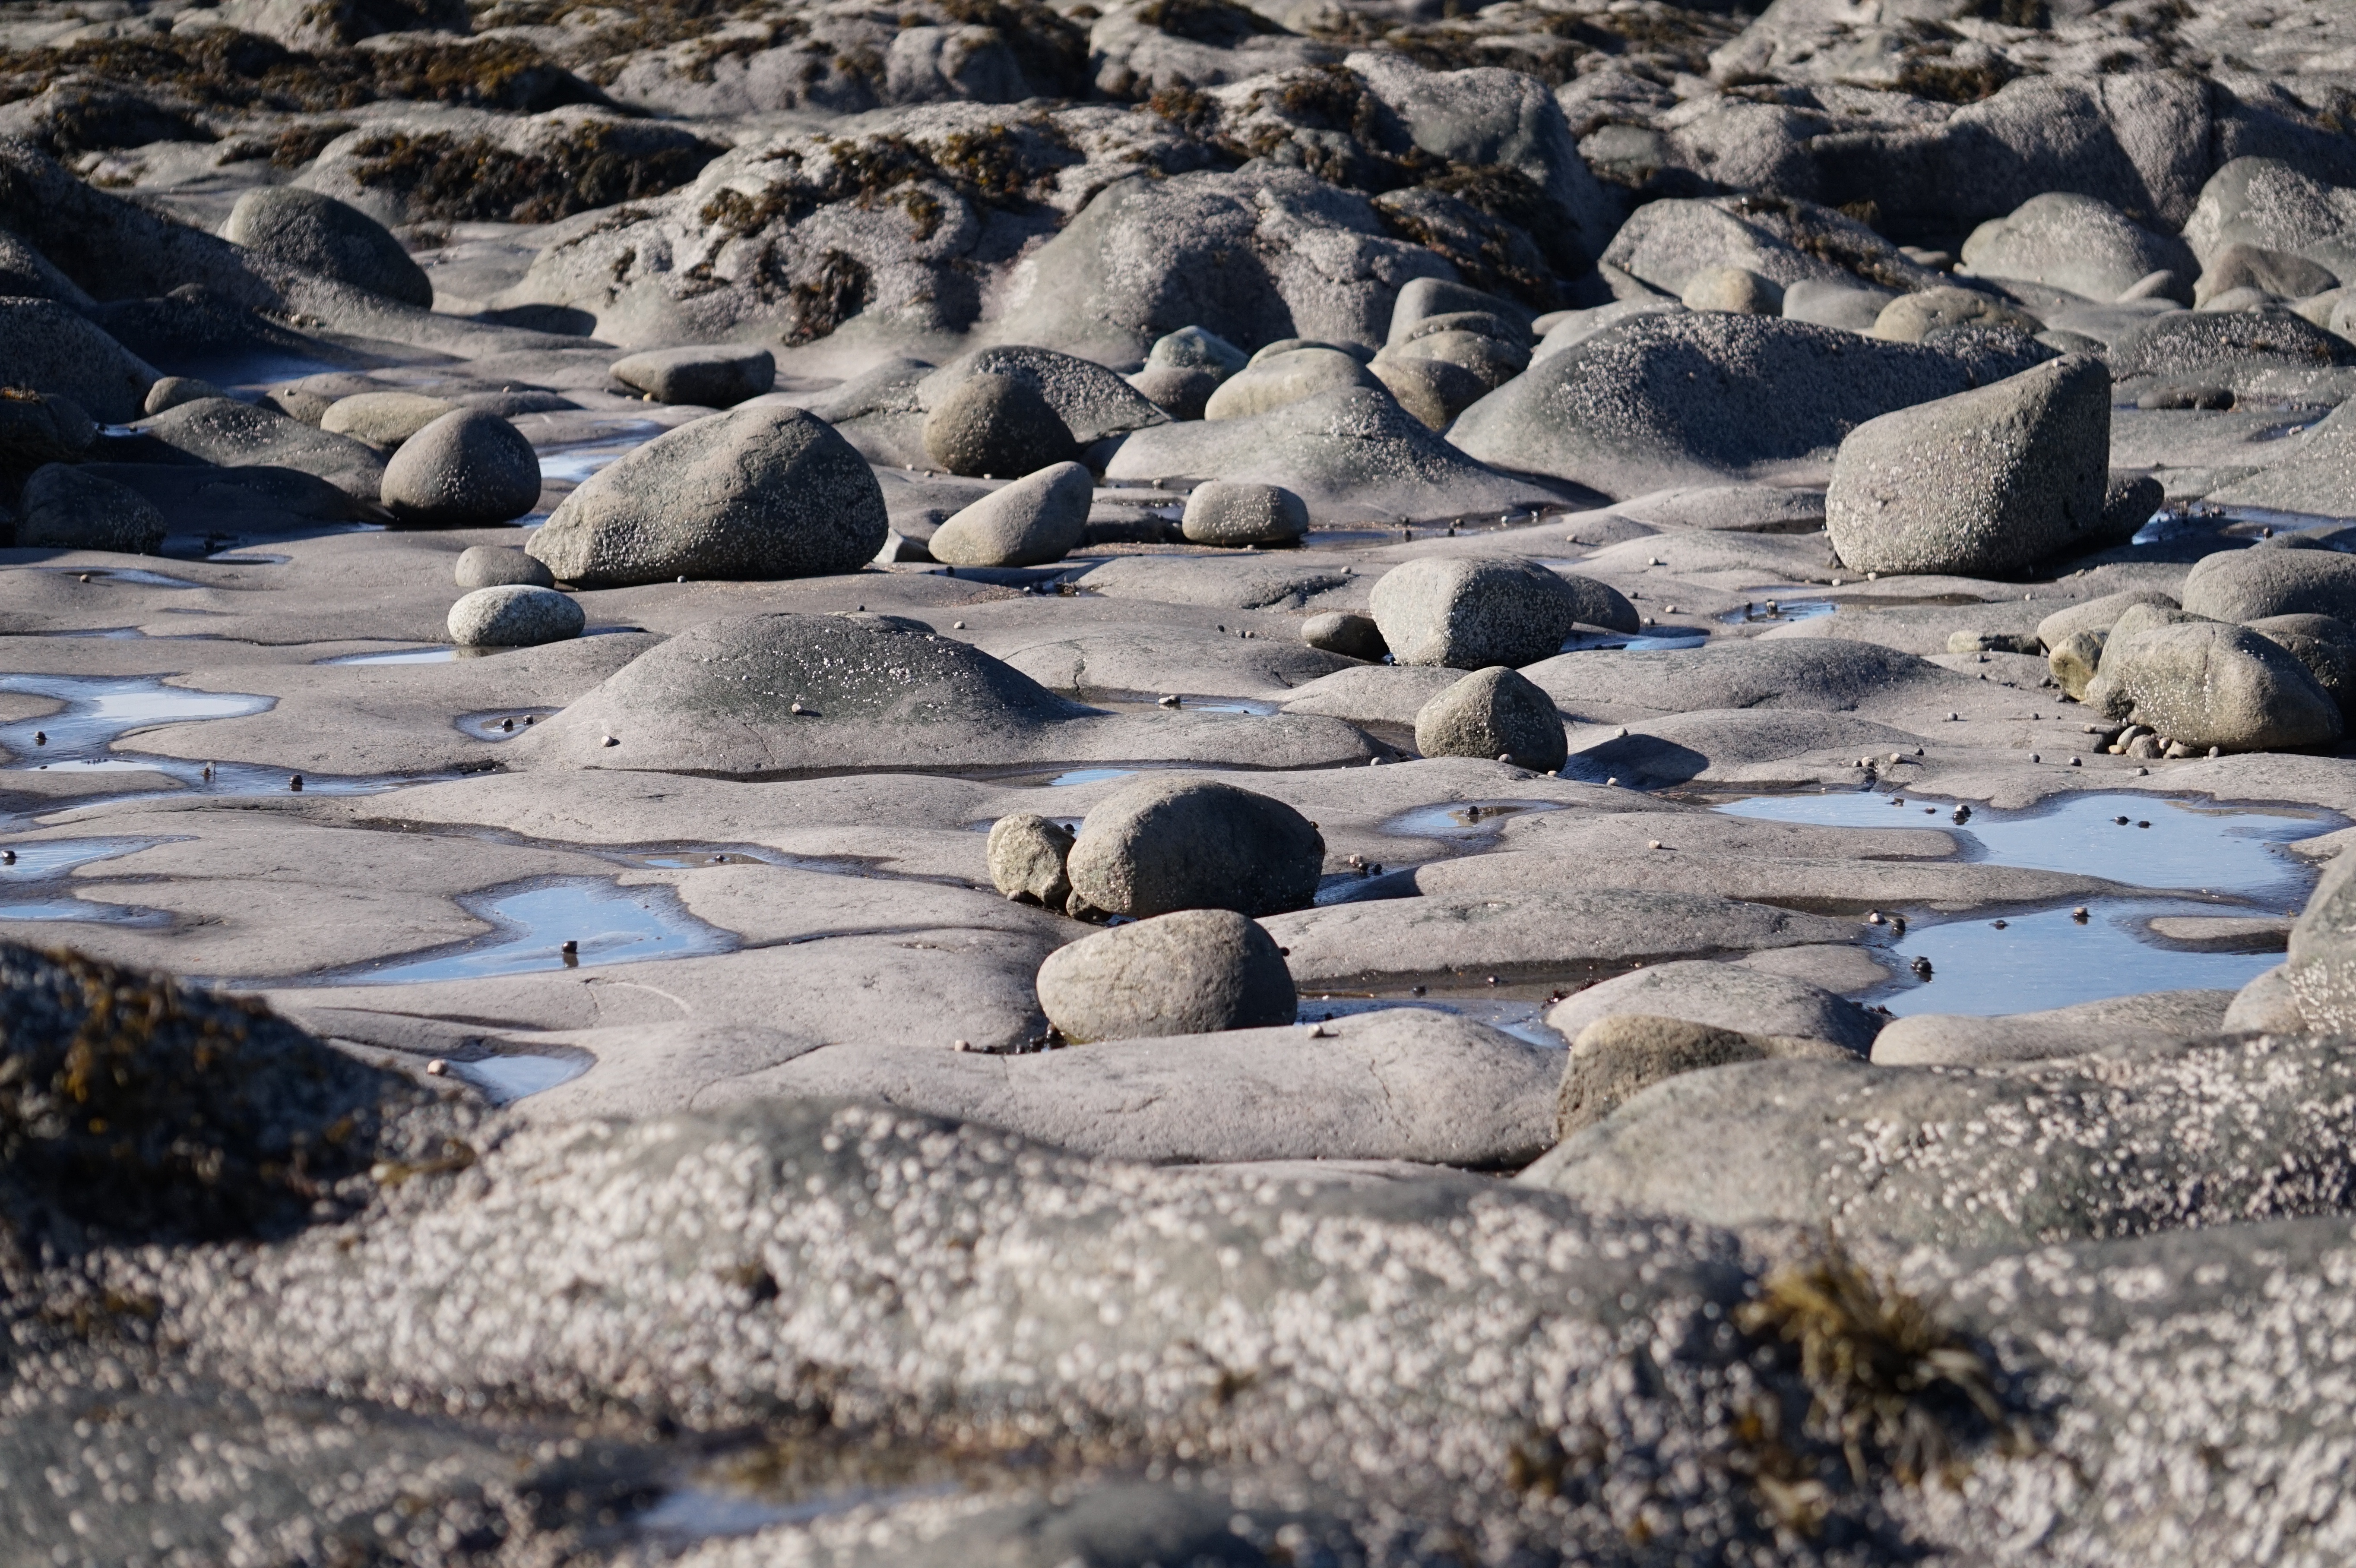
(839, 290)
(1052, 49)
(473, 179)
(1220, 23)
(994, 168)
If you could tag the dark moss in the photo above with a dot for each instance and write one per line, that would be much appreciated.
(1490, 253)
(85, 115)
(1220, 23)
(839, 290)
(1937, 78)
(471, 180)
(999, 166)
(1052, 49)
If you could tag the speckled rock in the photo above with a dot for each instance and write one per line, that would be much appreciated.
(1271, 383)
(1038, 518)
(2098, 614)
(37, 428)
(1620, 1056)
(1158, 844)
(758, 492)
(1726, 997)
(238, 435)
(1910, 318)
(1469, 614)
(2253, 585)
(302, 229)
(718, 376)
(171, 391)
(380, 418)
(1734, 289)
(516, 616)
(1347, 632)
(2185, 344)
(464, 469)
(2139, 1021)
(1237, 515)
(1193, 971)
(500, 566)
(2075, 242)
(50, 348)
(65, 508)
(1493, 712)
(2206, 683)
(995, 425)
(1026, 854)
(2326, 645)
(2320, 967)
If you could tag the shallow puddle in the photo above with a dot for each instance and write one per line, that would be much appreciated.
(501, 723)
(401, 655)
(1658, 640)
(2026, 963)
(34, 885)
(572, 465)
(1523, 1017)
(504, 1079)
(131, 576)
(1774, 612)
(100, 710)
(601, 922)
(1463, 819)
(1148, 702)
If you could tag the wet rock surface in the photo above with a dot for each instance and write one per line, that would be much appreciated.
(1184, 640)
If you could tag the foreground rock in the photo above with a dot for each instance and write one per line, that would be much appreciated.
(64, 508)
(1723, 997)
(52, 348)
(498, 566)
(1470, 614)
(466, 469)
(516, 616)
(1614, 1059)
(1493, 712)
(2204, 683)
(1039, 519)
(1157, 845)
(1027, 854)
(760, 493)
(1196, 971)
(1222, 513)
(1978, 483)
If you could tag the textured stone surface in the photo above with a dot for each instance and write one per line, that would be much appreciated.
(1223, 513)
(1195, 971)
(718, 377)
(515, 616)
(298, 228)
(63, 507)
(1469, 614)
(1156, 845)
(464, 469)
(1493, 712)
(1038, 518)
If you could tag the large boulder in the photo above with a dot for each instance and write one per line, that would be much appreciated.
(1695, 397)
(2320, 967)
(302, 229)
(758, 492)
(1468, 613)
(2204, 684)
(2270, 204)
(989, 425)
(1193, 971)
(1223, 512)
(1161, 844)
(50, 348)
(2253, 585)
(1978, 483)
(2183, 345)
(466, 469)
(2075, 242)
(1038, 518)
(66, 507)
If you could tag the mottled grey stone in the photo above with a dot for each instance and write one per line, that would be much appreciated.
(1493, 712)
(380, 418)
(1193, 971)
(717, 376)
(1347, 632)
(992, 425)
(1156, 845)
(1223, 512)
(65, 508)
(2206, 683)
(464, 469)
(2253, 585)
(1038, 518)
(302, 229)
(518, 615)
(1027, 854)
(500, 566)
(51, 347)
(1468, 613)
(1948, 1040)
(1270, 383)
(236, 434)
(2075, 242)
(1620, 1056)
(1722, 996)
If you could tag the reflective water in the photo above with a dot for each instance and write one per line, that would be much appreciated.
(501, 723)
(1523, 1017)
(1089, 777)
(34, 885)
(606, 924)
(1774, 612)
(401, 655)
(1653, 641)
(572, 465)
(506, 1079)
(1463, 819)
(135, 576)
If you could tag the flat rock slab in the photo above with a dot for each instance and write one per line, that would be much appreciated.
(1932, 1039)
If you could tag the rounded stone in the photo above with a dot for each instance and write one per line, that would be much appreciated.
(1196, 971)
(316, 234)
(1161, 844)
(1228, 512)
(1493, 712)
(1470, 614)
(1347, 632)
(717, 376)
(1274, 382)
(1434, 390)
(464, 469)
(171, 391)
(1193, 348)
(380, 418)
(516, 616)
(1734, 290)
(65, 508)
(1180, 391)
(1040, 517)
(501, 566)
(1027, 854)
(990, 423)
(36, 428)
(2255, 584)
(1910, 318)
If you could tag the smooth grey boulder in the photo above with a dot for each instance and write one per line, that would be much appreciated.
(758, 492)
(51, 347)
(1805, 676)
(1469, 614)
(2118, 1142)
(1038, 518)
(2278, 273)
(2205, 683)
(1157, 844)
(1422, 300)
(63, 507)
(235, 435)
(1345, 632)
(380, 418)
(2098, 614)
(1475, 348)
(2075, 242)
(302, 229)
(1193, 971)
(1223, 512)
(2321, 964)
(1735, 289)
(1027, 854)
(1494, 713)
(2315, 473)
(1621, 1055)
(466, 469)
(500, 566)
(1090, 401)
(989, 425)
(1193, 348)
(36, 428)
(718, 376)
(518, 615)
(2326, 645)
(1695, 397)
(1722, 996)
(1851, 307)
(171, 391)
(1182, 392)
(1434, 390)
(2110, 1023)
(1980, 482)
(2273, 204)
(2187, 344)
(1270, 383)
(2253, 584)
(1914, 317)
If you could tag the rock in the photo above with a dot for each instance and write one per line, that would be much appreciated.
(2180, 395)
(2074, 661)
(1852, 307)
(380, 418)
(500, 566)
(2273, 206)
(2204, 683)
(1665, 244)
(2112, 1023)
(1620, 1056)
(1181, 393)
(991, 424)
(2277, 273)
(518, 615)
(50, 348)
(1819, 674)
(1157, 845)
(1489, 359)
(1222, 513)
(2098, 614)
(2073, 242)
(1092, 402)
(2320, 966)
(1493, 712)
(1994, 643)
(1193, 348)
(1423, 300)
(302, 229)
(1038, 518)
(36, 428)
(1910, 318)
(1734, 289)
(464, 469)
(2253, 585)
(2326, 645)
(1723, 997)
(2120, 1141)
(1347, 632)
(1695, 397)
(2188, 345)
(2130, 501)
(1980, 482)
(717, 376)
(758, 492)
(1470, 614)
(234, 434)
(316, 26)
(65, 508)
(1026, 855)
(1434, 390)
(2316, 472)
(1196, 971)
(2267, 1004)
(1268, 384)
(171, 391)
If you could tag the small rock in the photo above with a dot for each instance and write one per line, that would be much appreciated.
(1614, 1059)
(1910, 318)
(380, 418)
(1196, 971)
(1493, 712)
(1347, 632)
(1027, 854)
(991, 424)
(1471, 614)
(464, 469)
(501, 566)
(1733, 289)
(1193, 348)
(2073, 662)
(64, 508)
(171, 391)
(1272, 382)
(1224, 512)
(1040, 517)
(515, 616)
(1157, 845)
(717, 376)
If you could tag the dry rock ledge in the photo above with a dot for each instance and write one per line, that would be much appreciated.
(1036, 785)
